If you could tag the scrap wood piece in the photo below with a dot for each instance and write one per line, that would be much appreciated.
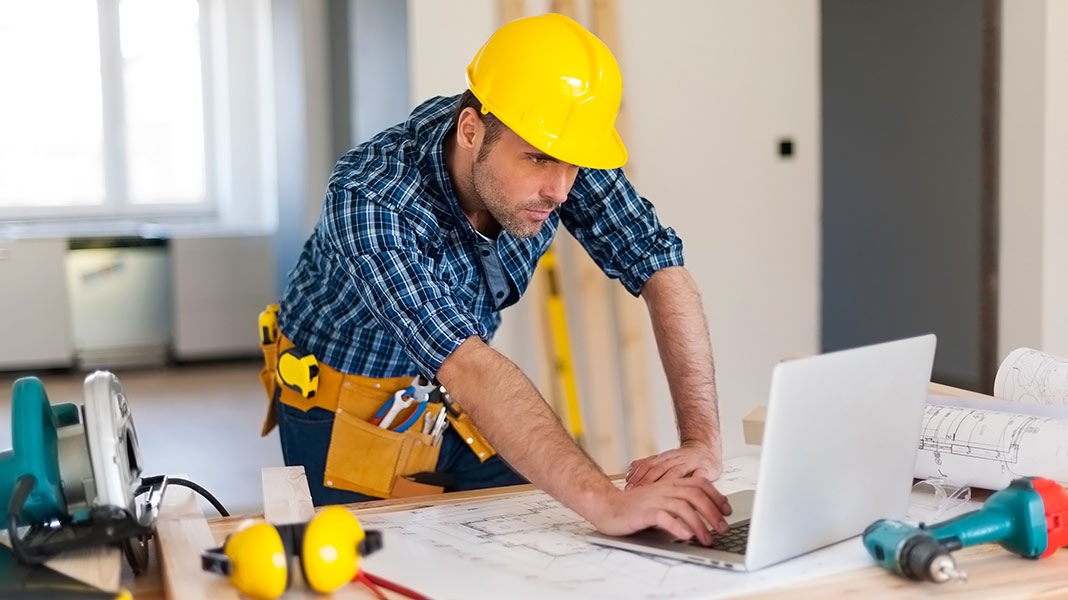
(287, 499)
(286, 496)
(98, 567)
(182, 533)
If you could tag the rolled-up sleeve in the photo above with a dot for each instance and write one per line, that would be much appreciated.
(618, 228)
(397, 282)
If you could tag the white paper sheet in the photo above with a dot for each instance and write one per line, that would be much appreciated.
(988, 443)
(1029, 376)
(529, 546)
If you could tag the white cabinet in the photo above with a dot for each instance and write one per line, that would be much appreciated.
(34, 323)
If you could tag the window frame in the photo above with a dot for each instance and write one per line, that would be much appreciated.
(116, 204)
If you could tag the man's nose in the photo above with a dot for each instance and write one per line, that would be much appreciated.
(558, 185)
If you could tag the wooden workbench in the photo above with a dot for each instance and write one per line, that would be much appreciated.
(993, 573)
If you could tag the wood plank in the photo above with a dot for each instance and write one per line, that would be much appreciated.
(630, 312)
(510, 10)
(182, 533)
(992, 573)
(568, 8)
(98, 567)
(286, 496)
(287, 499)
(599, 370)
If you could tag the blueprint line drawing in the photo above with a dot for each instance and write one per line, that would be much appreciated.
(1029, 376)
(973, 433)
(1020, 431)
(980, 443)
(530, 546)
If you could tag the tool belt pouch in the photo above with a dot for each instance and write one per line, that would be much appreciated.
(367, 459)
(270, 359)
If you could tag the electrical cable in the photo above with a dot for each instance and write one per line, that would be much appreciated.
(23, 487)
(148, 482)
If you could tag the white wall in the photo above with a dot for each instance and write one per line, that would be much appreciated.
(1033, 283)
(1055, 198)
(709, 88)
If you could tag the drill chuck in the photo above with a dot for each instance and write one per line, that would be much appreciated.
(922, 557)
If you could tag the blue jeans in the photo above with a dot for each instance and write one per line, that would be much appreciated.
(305, 439)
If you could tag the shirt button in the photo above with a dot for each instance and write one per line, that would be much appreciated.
(500, 295)
(485, 253)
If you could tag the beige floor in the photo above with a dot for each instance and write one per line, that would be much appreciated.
(202, 420)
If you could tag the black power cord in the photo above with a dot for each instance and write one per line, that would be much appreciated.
(26, 483)
(148, 482)
(23, 486)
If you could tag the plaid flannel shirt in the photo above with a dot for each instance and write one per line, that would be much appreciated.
(393, 278)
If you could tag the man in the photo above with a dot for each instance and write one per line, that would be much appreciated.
(429, 230)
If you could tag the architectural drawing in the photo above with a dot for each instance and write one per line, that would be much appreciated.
(989, 447)
(973, 433)
(1029, 376)
(529, 546)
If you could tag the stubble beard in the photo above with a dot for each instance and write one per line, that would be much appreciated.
(489, 192)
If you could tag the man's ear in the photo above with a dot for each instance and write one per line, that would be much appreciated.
(469, 129)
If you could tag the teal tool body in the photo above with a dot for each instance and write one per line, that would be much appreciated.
(1028, 518)
(73, 475)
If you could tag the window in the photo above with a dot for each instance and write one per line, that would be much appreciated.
(103, 109)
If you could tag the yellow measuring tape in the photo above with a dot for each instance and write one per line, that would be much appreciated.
(561, 344)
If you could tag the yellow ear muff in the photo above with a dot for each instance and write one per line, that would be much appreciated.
(259, 561)
(329, 556)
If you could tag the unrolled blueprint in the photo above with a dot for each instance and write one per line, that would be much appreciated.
(1028, 376)
(989, 442)
(529, 546)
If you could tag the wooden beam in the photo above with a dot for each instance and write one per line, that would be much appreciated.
(182, 533)
(568, 8)
(287, 499)
(510, 10)
(630, 312)
(597, 365)
(286, 496)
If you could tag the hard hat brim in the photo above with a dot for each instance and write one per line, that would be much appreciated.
(605, 152)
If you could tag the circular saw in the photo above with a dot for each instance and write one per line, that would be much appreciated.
(72, 478)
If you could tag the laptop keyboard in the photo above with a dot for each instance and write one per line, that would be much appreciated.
(735, 540)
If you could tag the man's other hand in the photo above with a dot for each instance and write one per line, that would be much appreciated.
(691, 459)
(685, 508)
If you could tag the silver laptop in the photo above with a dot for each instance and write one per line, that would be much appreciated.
(840, 442)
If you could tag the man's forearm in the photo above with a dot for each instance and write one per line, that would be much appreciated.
(510, 413)
(686, 351)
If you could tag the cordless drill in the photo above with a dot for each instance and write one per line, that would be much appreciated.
(1029, 518)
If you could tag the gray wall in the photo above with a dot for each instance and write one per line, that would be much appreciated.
(901, 177)
(341, 76)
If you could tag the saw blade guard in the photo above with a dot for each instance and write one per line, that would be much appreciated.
(114, 450)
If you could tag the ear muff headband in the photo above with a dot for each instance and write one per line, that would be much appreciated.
(256, 558)
(329, 556)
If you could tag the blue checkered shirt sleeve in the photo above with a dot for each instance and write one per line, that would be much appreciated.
(618, 228)
(378, 251)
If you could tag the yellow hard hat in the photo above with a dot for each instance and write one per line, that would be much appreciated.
(556, 86)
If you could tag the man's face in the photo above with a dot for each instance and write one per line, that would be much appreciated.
(519, 184)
